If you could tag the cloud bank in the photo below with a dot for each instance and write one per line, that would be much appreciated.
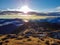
(56, 9)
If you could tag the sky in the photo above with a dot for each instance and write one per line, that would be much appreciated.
(38, 5)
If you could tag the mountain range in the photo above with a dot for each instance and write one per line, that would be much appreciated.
(31, 13)
(10, 25)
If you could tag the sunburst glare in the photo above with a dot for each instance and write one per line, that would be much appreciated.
(25, 9)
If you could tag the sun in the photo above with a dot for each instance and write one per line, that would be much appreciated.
(25, 9)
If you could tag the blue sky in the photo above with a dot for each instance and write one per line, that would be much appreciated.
(39, 5)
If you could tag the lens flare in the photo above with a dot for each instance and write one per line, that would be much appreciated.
(25, 9)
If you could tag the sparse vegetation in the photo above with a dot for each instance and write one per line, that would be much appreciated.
(30, 41)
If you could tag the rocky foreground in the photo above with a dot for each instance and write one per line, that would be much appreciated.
(13, 39)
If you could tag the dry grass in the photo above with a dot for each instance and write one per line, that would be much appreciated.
(20, 40)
